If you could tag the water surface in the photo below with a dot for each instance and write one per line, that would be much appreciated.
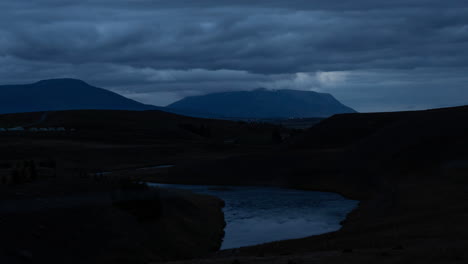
(256, 215)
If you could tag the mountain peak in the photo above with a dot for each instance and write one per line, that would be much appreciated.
(261, 89)
(62, 94)
(262, 103)
(62, 81)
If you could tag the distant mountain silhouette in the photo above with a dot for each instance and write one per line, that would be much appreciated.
(261, 103)
(72, 94)
(62, 94)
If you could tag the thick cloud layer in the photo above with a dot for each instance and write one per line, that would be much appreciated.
(372, 55)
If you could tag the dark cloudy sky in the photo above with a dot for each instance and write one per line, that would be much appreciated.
(372, 55)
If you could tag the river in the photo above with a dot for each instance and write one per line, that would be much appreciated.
(256, 215)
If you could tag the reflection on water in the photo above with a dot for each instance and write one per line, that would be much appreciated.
(256, 215)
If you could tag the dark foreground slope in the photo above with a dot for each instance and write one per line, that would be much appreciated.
(62, 94)
(409, 170)
(60, 194)
(261, 103)
(87, 221)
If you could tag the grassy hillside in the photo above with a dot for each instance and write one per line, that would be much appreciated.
(101, 140)
(409, 169)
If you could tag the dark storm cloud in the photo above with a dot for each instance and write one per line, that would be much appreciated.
(148, 49)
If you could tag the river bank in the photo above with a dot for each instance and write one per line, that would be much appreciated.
(87, 222)
(255, 215)
(412, 222)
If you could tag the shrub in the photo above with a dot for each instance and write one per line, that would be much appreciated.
(138, 199)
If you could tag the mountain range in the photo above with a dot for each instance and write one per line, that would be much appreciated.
(72, 94)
